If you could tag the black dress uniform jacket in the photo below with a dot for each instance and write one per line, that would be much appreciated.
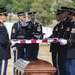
(4, 43)
(58, 32)
(31, 30)
(71, 43)
(66, 34)
(18, 32)
(61, 30)
(54, 47)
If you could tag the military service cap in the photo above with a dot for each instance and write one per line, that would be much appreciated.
(59, 12)
(32, 14)
(21, 13)
(3, 11)
(65, 9)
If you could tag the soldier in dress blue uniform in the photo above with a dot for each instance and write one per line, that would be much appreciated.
(63, 26)
(63, 49)
(54, 47)
(61, 53)
(4, 42)
(34, 31)
(18, 32)
(70, 42)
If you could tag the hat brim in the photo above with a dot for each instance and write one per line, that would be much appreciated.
(5, 14)
(29, 13)
(23, 15)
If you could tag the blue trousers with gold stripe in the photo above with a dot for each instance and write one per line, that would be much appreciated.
(62, 62)
(55, 61)
(3, 68)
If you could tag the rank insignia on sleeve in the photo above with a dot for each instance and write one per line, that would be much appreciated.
(13, 30)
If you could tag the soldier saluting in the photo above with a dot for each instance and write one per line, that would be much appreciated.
(4, 42)
(18, 32)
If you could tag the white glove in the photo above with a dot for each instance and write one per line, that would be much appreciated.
(37, 36)
(12, 43)
(14, 48)
(63, 42)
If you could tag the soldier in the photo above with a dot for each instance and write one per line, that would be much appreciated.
(34, 31)
(60, 29)
(54, 47)
(66, 27)
(70, 55)
(4, 42)
(18, 32)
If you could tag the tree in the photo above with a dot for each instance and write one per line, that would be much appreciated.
(58, 3)
(7, 4)
(73, 4)
(46, 8)
(43, 7)
(22, 5)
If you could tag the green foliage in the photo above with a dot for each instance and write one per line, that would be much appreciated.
(22, 5)
(2, 3)
(73, 3)
(43, 7)
(46, 8)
